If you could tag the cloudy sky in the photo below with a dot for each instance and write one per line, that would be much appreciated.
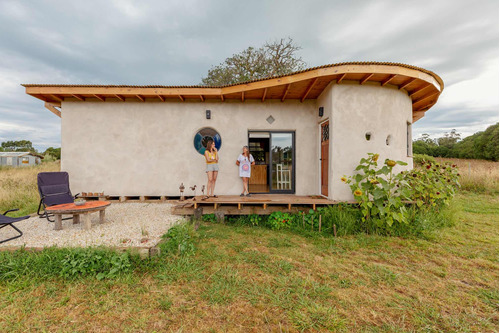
(176, 42)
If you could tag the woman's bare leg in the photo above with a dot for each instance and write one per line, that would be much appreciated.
(214, 179)
(210, 175)
(245, 185)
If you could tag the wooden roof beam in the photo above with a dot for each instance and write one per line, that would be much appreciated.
(52, 109)
(423, 98)
(389, 79)
(141, 98)
(308, 90)
(417, 115)
(202, 98)
(121, 98)
(81, 98)
(264, 95)
(426, 107)
(161, 98)
(341, 78)
(57, 98)
(100, 98)
(286, 92)
(416, 91)
(242, 96)
(222, 98)
(181, 98)
(366, 78)
(410, 81)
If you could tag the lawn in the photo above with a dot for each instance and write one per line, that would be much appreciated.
(253, 279)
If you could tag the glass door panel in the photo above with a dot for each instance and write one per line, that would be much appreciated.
(282, 152)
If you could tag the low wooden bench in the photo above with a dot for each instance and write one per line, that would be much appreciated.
(76, 211)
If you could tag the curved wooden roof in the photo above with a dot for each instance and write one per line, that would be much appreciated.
(423, 87)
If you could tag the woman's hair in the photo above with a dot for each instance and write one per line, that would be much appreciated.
(248, 151)
(209, 145)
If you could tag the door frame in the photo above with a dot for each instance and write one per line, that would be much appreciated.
(319, 157)
(270, 173)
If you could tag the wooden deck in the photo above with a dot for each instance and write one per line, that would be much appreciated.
(261, 204)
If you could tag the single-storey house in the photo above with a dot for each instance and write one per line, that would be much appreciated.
(21, 158)
(306, 129)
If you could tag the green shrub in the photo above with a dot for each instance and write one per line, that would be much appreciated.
(66, 263)
(209, 218)
(379, 192)
(383, 196)
(97, 263)
(279, 220)
(422, 158)
(423, 221)
(179, 240)
(346, 219)
(432, 184)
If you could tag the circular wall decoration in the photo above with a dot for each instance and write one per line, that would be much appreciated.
(202, 136)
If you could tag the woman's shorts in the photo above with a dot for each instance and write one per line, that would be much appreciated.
(212, 167)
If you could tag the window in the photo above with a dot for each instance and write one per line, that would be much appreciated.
(202, 136)
(408, 140)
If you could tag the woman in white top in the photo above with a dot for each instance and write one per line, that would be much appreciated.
(245, 161)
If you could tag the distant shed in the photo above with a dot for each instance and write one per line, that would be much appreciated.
(24, 158)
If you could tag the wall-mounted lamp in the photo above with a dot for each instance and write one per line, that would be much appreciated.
(208, 114)
(321, 110)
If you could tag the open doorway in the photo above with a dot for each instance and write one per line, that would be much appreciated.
(274, 169)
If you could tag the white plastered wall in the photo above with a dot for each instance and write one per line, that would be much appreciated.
(137, 148)
(353, 110)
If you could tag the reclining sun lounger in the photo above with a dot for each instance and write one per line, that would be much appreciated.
(6, 221)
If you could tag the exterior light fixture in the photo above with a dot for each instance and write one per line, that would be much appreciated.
(321, 111)
(208, 114)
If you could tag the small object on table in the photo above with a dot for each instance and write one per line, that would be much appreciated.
(80, 202)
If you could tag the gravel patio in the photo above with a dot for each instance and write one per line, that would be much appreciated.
(127, 225)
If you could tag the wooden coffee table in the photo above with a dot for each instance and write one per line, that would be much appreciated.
(72, 209)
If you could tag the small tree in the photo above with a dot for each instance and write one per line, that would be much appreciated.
(276, 58)
(54, 152)
(20, 145)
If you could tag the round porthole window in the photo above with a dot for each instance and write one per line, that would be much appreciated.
(202, 136)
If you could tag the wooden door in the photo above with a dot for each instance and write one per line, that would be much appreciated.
(325, 144)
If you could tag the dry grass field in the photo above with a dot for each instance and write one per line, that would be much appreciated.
(476, 175)
(18, 188)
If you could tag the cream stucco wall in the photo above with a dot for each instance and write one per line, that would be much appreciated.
(353, 110)
(146, 148)
(137, 148)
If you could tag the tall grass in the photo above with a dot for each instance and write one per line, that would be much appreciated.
(18, 187)
(479, 176)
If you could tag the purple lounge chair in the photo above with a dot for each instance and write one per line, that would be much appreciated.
(6, 221)
(54, 190)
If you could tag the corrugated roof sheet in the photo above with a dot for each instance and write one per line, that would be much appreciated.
(246, 82)
(14, 153)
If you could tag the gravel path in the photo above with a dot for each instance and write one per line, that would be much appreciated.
(126, 225)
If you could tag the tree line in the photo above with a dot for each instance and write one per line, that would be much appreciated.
(26, 145)
(481, 145)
